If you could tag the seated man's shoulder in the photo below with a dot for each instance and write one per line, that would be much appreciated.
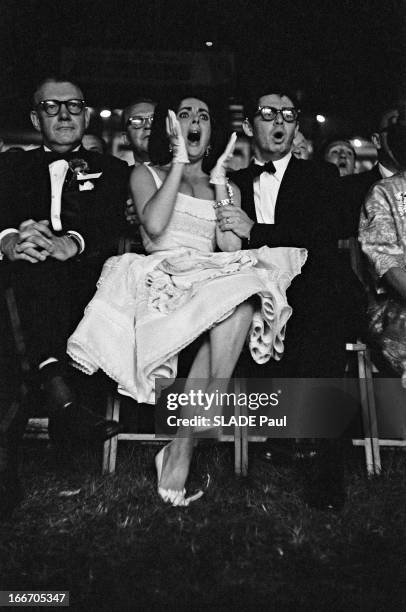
(109, 161)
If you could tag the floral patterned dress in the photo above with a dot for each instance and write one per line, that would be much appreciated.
(382, 233)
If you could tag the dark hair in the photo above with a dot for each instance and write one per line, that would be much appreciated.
(252, 99)
(159, 143)
(53, 78)
(126, 110)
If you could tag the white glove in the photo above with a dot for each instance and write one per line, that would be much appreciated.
(218, 173)
(177, 141)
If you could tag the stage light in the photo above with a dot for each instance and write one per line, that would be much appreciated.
(208, 43)
(320, 118)
(357, 142)
(105, 113)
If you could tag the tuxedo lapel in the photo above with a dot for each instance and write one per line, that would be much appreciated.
(35, 184)
(288, 190)
(243, 180)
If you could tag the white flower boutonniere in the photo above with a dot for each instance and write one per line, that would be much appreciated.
(81, 173)
(400, 198)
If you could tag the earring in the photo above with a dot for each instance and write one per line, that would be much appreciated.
(170, 147)
(207, 151)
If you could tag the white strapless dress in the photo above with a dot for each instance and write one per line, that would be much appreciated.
(147, 308)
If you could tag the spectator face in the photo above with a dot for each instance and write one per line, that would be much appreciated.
(301, 148)
(138, 137)
(93, 143)
(272, 140)
(64, 130)
(194, 118)
(341, 155)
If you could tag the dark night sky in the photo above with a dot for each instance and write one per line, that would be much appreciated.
(347, 57)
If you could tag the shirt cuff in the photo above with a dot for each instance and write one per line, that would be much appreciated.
(4, 233)
(80, 240)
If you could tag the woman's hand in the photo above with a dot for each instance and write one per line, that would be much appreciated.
(218, 174)
(174, 132)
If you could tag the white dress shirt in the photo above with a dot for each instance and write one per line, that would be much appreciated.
(266, 189)
(384, 172)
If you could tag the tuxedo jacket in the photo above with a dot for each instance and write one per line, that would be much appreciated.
(304, 217)
(354, 189)
(97, 214)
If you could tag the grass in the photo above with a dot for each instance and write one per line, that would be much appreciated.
(248, 543)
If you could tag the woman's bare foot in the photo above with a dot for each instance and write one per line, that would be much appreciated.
(176, 460)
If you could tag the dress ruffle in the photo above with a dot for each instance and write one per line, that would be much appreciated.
(148, 308)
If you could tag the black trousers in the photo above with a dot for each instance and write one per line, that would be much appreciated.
(51, 297)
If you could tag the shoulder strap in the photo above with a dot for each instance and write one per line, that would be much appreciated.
(157, 180)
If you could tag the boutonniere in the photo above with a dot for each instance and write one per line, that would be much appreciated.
(81, 174)
(400, 198)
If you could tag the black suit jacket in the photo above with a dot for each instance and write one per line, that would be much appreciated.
(304, 217)
(322, 296)
(97, 214)
(353, 191)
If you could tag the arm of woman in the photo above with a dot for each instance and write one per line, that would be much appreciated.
(155, 206)
(227, 240)
(396, 278)
(379, 236)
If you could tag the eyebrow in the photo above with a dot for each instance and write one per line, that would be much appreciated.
(199, 110)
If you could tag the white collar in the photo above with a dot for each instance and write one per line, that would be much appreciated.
(48, 150)
(384, 172)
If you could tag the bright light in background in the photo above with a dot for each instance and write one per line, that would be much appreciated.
(357, 142)
(105, 113)
(208, 43)
(320, 118)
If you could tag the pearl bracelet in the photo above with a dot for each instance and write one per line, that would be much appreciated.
(225, 202)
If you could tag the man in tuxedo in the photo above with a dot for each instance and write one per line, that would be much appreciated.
(290, 202)
(62, 210)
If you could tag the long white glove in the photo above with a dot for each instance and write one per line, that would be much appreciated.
(218, 173)
(177, 141)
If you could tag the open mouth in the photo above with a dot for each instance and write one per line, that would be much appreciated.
(342, 164)
(193, 137)
(278, 135)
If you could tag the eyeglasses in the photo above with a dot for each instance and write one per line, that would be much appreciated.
(138, 121)
(52, 107)
(269, 113)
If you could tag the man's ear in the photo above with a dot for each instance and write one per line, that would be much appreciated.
(247, 128)
(124, 139)
(35, 120)
(376, 140)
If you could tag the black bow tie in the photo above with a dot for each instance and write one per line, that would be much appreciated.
(51, 156)
(256, 169)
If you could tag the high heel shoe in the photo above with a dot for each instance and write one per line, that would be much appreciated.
(173, 496)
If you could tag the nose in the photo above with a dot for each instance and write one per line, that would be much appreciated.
(279, 117)
(63, 112)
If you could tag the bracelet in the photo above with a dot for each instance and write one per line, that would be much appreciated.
(225, 202)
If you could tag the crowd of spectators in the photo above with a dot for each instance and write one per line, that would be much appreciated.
(65, 204)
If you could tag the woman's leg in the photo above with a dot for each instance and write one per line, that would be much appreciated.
(216, 359)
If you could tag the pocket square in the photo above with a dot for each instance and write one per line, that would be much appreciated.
(86, 186)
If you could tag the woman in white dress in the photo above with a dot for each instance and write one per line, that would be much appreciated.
(148, 308)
